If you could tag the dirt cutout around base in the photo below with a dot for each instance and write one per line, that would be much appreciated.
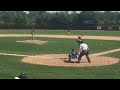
(62, 60)
(39, 42)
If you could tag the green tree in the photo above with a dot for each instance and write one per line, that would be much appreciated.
(86, 17)
(21, 18)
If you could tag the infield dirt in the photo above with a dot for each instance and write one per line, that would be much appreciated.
(97, 59)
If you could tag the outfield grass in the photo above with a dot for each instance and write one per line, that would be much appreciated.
(11, 66)
(62, 32)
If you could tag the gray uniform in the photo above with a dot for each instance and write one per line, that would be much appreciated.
(84, 50)
(33, 33)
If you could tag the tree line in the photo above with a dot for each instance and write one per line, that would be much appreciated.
(59, 18)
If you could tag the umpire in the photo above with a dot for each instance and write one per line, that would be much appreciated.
(84, 50)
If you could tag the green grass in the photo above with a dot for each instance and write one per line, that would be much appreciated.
(53, 45)
(11, 66)
(62, 32)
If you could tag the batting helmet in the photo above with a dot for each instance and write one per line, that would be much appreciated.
(79, 37)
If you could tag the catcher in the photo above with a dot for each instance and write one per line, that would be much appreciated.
(73, 54)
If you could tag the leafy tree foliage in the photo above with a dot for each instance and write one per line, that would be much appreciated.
(59, 18)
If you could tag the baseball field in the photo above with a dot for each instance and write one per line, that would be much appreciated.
(46, 56)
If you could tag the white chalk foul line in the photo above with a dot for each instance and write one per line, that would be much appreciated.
(13, 54)
(96, 54)
(106, 52)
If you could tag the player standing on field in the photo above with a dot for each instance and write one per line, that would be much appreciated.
(33, 33)
(78, 42)
(84, 50)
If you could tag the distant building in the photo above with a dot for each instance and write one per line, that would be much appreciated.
(119, 27)
(99, 27)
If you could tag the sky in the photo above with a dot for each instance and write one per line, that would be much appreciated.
(59, 11)
(69, 11)
(53, 11)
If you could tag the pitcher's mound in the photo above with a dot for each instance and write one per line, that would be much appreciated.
(39, 42)
(62, 60)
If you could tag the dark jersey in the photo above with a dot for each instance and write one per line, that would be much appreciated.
(74, 53)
